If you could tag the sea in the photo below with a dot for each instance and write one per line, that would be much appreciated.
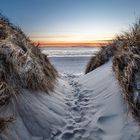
(71, 60)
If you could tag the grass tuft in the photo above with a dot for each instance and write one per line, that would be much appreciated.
(125, 53)
(22, 65)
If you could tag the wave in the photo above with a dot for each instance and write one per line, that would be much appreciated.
(69, 52)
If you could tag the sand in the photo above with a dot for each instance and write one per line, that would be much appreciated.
(89, 107)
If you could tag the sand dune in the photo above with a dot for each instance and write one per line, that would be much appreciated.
(88, 107)
(37, 116)
(36, 103)
(109, 115)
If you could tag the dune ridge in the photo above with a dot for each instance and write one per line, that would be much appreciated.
(125, 54)
(22, 66)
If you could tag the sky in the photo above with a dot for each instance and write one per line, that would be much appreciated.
(71, 21)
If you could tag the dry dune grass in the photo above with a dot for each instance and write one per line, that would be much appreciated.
(104, 55)
(99, 59)
(126, 65)
(4, 122)
(125, 54)
(22, 65)
(130, 38)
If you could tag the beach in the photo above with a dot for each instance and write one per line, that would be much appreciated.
(71, 60)
(68, 93)
(95, 106)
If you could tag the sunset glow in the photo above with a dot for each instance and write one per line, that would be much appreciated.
(69, 41)
(69, 44)
(71, 22)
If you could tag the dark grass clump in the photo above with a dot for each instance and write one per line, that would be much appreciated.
(124, 51)
(104, 54)
(101, 57)
(4, 122)
(22, 62)
(126, 65)
(131, 38)
(22, 65)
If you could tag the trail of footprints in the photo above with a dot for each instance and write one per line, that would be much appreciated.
(76, 114)
(79, 116)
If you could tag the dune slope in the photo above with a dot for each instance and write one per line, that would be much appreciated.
(31, 104)
(109, 116)
(125, 53)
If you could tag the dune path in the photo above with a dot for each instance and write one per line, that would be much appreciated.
(85, 107)
(96, 110)
(76, 113)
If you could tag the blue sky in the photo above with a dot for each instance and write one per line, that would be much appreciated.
(71, 20)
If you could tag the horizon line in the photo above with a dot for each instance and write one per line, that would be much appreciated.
(95, 43)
